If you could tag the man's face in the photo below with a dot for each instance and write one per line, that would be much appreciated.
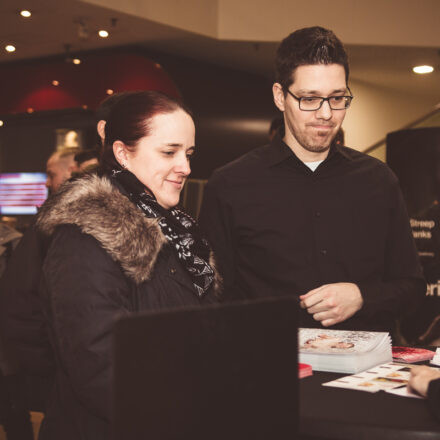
(58, 171)
(310, 133)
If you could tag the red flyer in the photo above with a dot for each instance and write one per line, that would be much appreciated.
(304, 370)
(410, 354)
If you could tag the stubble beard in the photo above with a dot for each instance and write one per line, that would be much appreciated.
(313, 146)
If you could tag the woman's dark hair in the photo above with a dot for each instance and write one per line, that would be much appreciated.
(313, 45)
(129, 120)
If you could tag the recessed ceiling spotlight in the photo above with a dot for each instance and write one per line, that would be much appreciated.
(109, 91)
(76, 61)
(423, 69)
(55, 83)
(10, 48)
(103, 34)
(25, 13)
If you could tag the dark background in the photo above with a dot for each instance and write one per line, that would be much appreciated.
(232, 110)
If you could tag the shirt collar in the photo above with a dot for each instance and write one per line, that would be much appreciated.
(278, 151)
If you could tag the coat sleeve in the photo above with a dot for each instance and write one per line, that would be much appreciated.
(85, 292)
(403, 286)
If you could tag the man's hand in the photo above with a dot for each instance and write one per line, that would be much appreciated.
(420, 378)
(332, 303)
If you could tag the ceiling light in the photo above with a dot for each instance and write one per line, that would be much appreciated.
(29, 110)
(1, 123)
(55, 82)
(25, 13)
(423, 69)
(109, 92)
(76, 61)
(103, 34)
(10, 48)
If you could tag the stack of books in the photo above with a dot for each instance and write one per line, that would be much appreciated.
(304, 370)
(410, 354)
(343, 351)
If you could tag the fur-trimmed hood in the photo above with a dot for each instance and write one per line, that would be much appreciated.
(99, 209)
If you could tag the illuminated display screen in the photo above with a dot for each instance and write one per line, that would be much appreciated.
(22, 193)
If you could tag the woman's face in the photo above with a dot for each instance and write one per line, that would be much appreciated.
(161, 159)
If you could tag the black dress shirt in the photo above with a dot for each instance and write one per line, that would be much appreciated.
(278, 228)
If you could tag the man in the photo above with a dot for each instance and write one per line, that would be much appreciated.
(87, 160)
(59, 168)
(304, 215)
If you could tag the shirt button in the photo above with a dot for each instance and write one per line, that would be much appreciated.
(323, 251)
(172, 271)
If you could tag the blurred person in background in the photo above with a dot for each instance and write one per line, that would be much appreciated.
(86, 160)
(60, 167)
(276, 124)
(22, 325)
(14, 415)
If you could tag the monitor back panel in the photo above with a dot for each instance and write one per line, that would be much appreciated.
(218, 372)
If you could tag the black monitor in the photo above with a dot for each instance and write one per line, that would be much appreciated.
(219, 372)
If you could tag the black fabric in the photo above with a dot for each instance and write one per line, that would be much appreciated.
(21, 319)
(179, 228)
(278, 228)
(26, 345)
(85, 291)
(434, 397)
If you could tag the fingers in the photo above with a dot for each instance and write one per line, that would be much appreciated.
(332, 303)
(322, 306)
(329, 317)
(312, 292)
(311, 299)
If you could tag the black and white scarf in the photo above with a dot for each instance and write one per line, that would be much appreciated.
(181, 231)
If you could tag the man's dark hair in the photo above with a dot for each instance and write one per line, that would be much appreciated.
(85, 155)
(313, 45)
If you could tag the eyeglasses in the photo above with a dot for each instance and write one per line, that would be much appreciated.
(313, 103)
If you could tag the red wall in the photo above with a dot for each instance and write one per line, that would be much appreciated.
(29, 85)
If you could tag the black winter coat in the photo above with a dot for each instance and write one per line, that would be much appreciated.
(105, 261)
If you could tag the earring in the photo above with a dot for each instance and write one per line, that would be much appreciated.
(124, 165)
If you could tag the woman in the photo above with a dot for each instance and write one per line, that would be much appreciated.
(118, 246)
(426, 381)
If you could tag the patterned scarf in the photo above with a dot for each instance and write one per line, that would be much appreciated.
(179, 228)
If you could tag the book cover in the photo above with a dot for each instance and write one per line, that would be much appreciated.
(304, 370)
(343, 351)
(410, 354)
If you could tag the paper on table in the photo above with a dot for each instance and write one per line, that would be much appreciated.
(383, 377)
(436, 359)
(403, 391)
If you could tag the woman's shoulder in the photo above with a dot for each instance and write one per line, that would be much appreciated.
(97, 208)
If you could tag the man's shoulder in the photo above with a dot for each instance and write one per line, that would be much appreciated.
(245, 165)
(369, 164)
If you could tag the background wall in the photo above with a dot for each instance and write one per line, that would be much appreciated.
(376, 111)
(232, 109)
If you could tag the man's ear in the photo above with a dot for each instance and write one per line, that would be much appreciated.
(100, 128)
(278, 96)
(120, 152)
